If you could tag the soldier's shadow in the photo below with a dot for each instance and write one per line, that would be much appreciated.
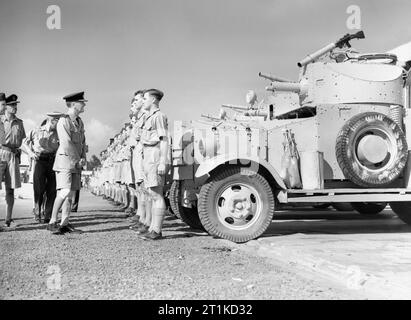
(79, 218)
(119, 228)
(186, 235)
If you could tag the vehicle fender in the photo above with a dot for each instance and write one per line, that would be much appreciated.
(210, 164)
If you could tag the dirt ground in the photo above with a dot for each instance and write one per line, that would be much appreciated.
(305, 254)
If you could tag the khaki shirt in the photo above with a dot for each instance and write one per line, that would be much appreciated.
(43, 141)
(2, 133)
(13, 135)
(14, 132)
(72, 145)
(138, 126)
(155, 127)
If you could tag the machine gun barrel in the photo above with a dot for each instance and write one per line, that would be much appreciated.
(272, 78)
(256, 113)
(285, 86)
(210, 117)
(339, 43)
(230, 106)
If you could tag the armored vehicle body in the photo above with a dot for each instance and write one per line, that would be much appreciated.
(337, 135)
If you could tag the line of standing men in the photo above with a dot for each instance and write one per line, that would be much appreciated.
(148, 160)
(59, 150)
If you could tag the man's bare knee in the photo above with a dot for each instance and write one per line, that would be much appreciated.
(65, 193)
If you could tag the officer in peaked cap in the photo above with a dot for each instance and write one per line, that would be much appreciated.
(10, 152)
(75, 97)
(41, 145)
(2, 109)
(12, 100)
(70, 158)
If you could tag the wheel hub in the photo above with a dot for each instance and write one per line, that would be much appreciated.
(238, 206)
(372, 148)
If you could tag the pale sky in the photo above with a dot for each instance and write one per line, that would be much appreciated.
(201, 53)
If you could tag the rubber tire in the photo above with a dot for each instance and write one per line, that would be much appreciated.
(369, 208)
(402, 210)
(342, 206)
(187, 215)
(344, 151)
(173, 198)
(321, 206)
(207, 199)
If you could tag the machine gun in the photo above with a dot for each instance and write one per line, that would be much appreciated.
(234, 107)
(344, 41)
(272, 78)
(247, 111)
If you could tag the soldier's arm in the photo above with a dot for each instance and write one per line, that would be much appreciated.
(63, 132)
(84, 149)
(27, 145)
(162, 131)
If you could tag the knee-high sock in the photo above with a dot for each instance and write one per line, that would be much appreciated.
(157, 219)
(132, 202)
(141, 208)
(148, 212)
(126, 197)
(119, 196)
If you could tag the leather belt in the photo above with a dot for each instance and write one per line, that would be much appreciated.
(12, 150)
(151, 145)
(47, 156)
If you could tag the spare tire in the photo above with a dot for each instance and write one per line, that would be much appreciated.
(371, 149)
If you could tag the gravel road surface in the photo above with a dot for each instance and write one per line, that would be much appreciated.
(109, 261)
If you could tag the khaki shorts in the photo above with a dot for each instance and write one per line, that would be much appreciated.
(151, 160)
(10, 174)
(137, 163)
(68, 180)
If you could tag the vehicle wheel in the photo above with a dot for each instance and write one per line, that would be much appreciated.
(321, 206)
(173, 198)
(402, 210)
(342, 206)
(187, 215)
(371, 149)
(369, 208)
(236, 204)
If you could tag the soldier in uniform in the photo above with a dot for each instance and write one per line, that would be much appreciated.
(154, 138)
(70, 158)
(2, 133)
(41, 145)
(2, 109)
(141, 220)
(10, 153)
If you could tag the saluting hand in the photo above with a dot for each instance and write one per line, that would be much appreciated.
(34, 156)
